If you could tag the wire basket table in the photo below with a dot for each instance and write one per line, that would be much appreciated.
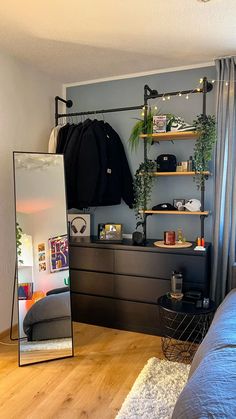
(183, 327)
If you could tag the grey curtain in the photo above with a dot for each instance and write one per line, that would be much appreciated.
(224, 229)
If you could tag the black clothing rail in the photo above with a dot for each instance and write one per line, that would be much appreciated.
(99, 111)
(148, 94)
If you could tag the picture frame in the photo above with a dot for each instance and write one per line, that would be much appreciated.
(79, 224)
(58, 253)
(159, 123)
(179, 204)
(111, 232)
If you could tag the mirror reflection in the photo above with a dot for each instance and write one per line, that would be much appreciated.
(45, 329)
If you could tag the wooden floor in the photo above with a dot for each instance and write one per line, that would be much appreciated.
(93, 384)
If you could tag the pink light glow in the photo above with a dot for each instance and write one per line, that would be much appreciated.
(28, 206)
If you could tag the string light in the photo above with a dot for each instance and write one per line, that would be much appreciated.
(167, 96)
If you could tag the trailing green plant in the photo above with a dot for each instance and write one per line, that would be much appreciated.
(140, 128)
(18, 242)
(143, 182)
(206, 127)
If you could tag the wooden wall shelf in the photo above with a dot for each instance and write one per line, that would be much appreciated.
(170, 136)
(177, 173)
(176, 212)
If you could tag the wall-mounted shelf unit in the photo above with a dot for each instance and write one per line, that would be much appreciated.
(171, 136)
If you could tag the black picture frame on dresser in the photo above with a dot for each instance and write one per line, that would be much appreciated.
(117, 285)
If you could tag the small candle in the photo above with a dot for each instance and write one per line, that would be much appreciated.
(169, 238)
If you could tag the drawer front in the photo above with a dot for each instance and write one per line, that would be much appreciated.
(139, 288)
(138, 317)
(91, 259)
(160, 265)
(114, 313)
(92, 283)
(92, 310)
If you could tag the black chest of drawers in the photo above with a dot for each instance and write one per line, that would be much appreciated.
(117, 285)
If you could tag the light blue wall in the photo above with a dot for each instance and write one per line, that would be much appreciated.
(129, 92)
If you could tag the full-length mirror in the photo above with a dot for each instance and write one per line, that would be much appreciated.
(45, 329)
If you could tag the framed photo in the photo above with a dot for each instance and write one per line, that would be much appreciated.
(179, 204)
(79, 224)
(159, 123)
(41, 247)
(25, 291)
(42, 267)
(58, 253)
(42, 257)
(110, 232)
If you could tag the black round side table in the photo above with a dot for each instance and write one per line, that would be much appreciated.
(183, 327)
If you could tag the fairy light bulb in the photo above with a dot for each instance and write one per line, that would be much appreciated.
(142, 113)
(213, 81)
(168, 97)
(198, 89)
(187, 97)
(180, 94)
(201, 80)
(155, 107)
(226, 84)
(163, 98)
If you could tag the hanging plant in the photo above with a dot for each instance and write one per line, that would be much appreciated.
(206, 127)
(143, 182)
(18, 242)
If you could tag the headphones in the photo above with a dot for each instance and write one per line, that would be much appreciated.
(74, 228)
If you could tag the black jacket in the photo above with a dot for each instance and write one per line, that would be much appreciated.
(97, 171)
(119, 183)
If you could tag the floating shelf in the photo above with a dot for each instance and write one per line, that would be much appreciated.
(176, 212)
(178, 173)
(169, 136)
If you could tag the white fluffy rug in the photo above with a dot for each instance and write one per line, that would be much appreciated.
(155, 391)
(43, 345)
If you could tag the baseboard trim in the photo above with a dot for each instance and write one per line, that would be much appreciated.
(6, 333)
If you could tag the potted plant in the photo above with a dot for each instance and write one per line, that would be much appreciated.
(206, 127)
(139, 128)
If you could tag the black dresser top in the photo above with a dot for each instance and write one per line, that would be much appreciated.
(127, 245)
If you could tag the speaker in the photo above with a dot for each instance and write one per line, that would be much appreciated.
(138, 236)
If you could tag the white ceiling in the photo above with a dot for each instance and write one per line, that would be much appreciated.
(77, 40)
